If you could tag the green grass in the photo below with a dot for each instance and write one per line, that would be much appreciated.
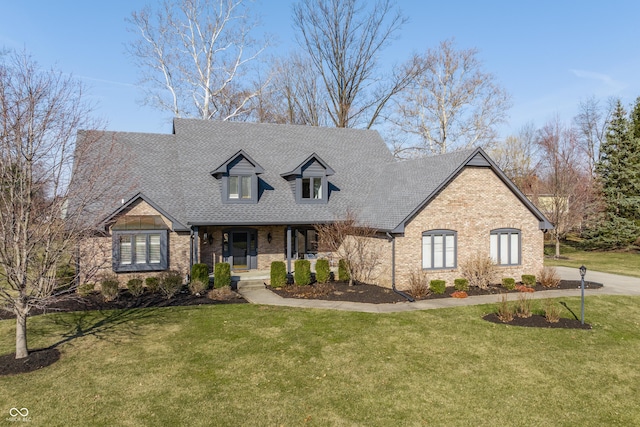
(625, 263)
(256, 365)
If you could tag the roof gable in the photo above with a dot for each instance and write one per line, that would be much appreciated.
(235, 159)
(298, 170)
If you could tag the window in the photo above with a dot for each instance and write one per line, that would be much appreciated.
(439, 249)
(505, 246)
(240, 187)
(312, 188)
(144, 250)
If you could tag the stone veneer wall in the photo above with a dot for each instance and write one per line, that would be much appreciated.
(473, 204)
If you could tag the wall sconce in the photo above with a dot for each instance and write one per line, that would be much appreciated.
(269, 238)
(205, 238)
(210, 239)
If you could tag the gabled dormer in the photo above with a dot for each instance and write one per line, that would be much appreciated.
(239, 176)
(309, 180)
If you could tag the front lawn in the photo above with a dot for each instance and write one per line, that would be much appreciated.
(259, 365)
(625, 263)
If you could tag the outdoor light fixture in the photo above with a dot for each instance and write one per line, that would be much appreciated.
(205, 237)
(210, 239)
(269, 238)
(583, 271)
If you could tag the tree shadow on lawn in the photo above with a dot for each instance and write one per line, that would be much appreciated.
(100, 324)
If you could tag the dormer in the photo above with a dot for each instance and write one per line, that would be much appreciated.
(309, 180)
(239, 175)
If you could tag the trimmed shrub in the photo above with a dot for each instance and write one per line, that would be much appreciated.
(152, 283)
(437, 286)
(323, 271)
(170, 283)
(109, 287)
(549, 277)
(200, 272)
(135, 286)
(461, 285)
(529, 280)
(278, 274)
(418, 284)
(302, 272)
(343, 271)
(222, 275)
(86, 289)
(197, 287)
(509, 283)
(65, 277)
(479, 270)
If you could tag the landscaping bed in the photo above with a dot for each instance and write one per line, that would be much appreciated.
(373, 294)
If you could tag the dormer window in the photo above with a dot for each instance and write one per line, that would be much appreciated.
(309, 180)
(239, 178)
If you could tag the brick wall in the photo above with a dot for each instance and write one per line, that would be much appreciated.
(473, 204)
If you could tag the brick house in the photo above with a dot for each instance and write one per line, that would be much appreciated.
(249, 194)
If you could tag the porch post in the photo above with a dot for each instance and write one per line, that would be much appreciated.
(196, 243)
(288, 249)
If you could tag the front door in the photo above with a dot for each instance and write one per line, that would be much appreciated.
(240, 248)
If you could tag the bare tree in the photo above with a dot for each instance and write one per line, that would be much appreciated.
(343, 41)
(453, 103)
(592, 122)
(355, 243)
(516, 156)
(40, 113)
(194, 56)
(565, 184)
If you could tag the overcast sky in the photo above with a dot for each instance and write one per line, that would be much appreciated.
(548, 54)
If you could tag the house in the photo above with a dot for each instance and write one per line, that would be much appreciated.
(249, 194)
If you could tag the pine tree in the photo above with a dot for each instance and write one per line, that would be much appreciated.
(619, 177)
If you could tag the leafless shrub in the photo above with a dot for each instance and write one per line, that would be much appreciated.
(418, 284)
(552, 311)
(222, 294)
(523, 306)
(479, 270)
(505, 310)
(549, 277)
(354, 242)
(197, 287)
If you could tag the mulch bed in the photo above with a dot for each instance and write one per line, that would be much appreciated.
(341, 291)
(42, 358)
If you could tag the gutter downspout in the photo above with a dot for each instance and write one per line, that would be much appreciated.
(393, 269)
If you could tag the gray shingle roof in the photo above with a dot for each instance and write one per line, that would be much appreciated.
(174, 172)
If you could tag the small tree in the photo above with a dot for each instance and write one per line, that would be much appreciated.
(354, 243)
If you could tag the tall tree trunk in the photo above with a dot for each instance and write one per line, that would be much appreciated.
(557, 246)
(21, 331)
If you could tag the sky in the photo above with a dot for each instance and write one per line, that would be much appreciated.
(548, 54)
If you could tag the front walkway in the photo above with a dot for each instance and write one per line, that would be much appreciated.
(255, 292)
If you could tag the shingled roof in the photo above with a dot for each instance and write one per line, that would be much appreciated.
(174, 173)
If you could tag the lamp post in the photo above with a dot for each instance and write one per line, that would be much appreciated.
(583, 271)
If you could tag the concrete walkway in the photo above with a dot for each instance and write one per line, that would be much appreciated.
(255, 292)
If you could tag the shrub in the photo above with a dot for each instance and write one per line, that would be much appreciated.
(523, 306)
(323, 271)
(65, 276)
(459, 294)
(437, 286)
(302, 272)
(549, 277)
(529, 280)
(222, 294)
(343, 270)
(109, 287)
(278, 274)
(552, 311)
(461, 285)
(222, 275)
(197, 287)
(200, 272)
(86, 289)
(509, 283)
(418, 284)
(523, 288)
(135, 286)
(479, 270)
(170, 283)
(152, 283)
(505, 311)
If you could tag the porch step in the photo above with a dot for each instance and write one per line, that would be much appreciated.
(251, 283)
